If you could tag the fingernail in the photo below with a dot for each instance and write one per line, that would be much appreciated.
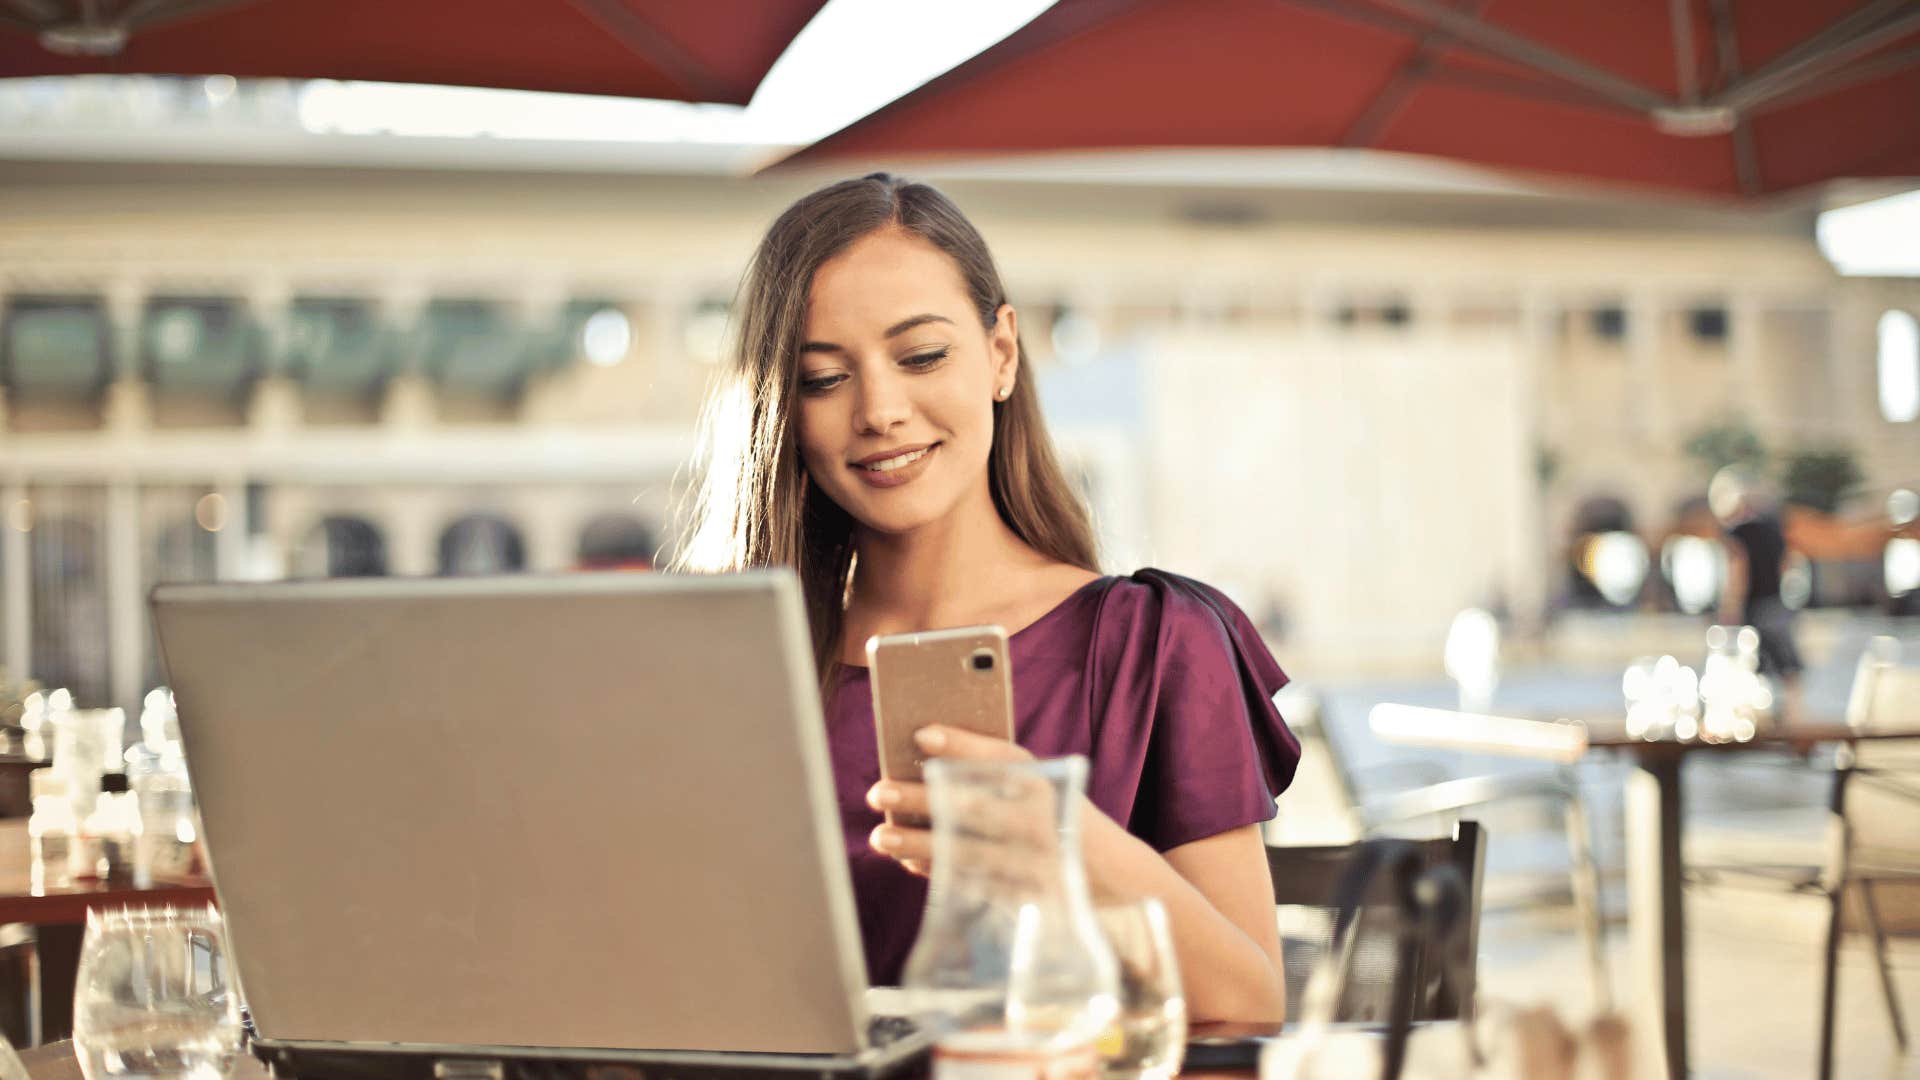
(931, 739)
(885, 839)
(880, 796)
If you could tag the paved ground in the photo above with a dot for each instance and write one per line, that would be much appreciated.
(1754, 951)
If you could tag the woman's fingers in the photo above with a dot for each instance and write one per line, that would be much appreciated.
(939, 740)
(906, 845)
(901, 798)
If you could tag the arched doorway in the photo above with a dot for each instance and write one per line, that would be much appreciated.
(617, 542)
(482, 544)
(342, 546)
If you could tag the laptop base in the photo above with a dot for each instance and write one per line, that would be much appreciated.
(346, 1061)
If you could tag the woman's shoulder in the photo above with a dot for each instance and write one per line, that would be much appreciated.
(1160, 618)
(1172, 603)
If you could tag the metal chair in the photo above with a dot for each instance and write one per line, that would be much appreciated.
(1876, 799)
(1326, 781)
(1304, 879)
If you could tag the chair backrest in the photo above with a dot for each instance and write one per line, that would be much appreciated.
(1882, 803)
(1303, 886)
(1869, 703)
(1320, 807)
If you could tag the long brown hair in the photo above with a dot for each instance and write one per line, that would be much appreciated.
(755, 505)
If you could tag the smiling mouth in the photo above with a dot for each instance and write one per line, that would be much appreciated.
(899, 462)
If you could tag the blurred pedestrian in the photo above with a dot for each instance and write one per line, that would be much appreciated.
(1756, 546)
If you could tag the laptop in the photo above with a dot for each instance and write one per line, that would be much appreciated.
(525, 826)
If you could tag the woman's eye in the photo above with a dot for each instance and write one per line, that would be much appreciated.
(820, 384)
(922, 361)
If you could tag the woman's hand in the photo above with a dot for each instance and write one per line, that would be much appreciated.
(913, 847)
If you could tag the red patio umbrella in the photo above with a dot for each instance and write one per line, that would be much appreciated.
(1728, 97)
(712, 50)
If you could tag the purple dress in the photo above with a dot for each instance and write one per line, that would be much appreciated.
(1161, 682)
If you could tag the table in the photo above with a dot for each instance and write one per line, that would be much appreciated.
(60, 913)
(1656, 924)
(1656, 919)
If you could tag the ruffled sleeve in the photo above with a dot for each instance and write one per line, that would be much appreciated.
(1186, 740)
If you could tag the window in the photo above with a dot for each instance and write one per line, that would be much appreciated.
(55, 348)
(336, 345)
(197, 346)
(1899, 367)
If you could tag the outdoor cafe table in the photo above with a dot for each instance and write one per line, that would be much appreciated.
(1656, 924)
(59, 914)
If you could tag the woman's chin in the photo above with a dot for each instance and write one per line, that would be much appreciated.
(902, 518)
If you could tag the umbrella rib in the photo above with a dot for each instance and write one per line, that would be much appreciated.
(1400, 86)
(1820, 54)
(1746, 161)
(1684, 70)
(1852, 75)
(645, 40)
(154, 12)
(1508, 45)
(38, 12)
(1511, 86)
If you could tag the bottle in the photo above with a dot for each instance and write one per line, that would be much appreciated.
(113, 829)
(50, 832)
(164, 848)
(1011, 972)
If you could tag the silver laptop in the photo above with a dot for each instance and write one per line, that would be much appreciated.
(587, 818)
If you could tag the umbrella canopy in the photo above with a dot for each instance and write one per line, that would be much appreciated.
(713, 50)
(1730, 97)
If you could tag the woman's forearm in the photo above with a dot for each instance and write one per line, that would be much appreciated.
(1226, 973)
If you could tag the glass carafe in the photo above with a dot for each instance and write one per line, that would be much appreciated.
(1010, 958)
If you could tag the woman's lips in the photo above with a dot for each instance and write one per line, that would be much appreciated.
(899, 472)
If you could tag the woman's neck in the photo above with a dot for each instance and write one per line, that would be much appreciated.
(944, 574)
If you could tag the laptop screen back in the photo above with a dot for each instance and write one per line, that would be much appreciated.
(591, 811)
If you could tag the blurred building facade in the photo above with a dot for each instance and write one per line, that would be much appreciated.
(1358, 412)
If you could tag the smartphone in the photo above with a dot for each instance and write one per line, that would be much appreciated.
(960, 677)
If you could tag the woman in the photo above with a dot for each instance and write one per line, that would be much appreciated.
(880, 436)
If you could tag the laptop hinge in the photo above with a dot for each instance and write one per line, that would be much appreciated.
(468, 1069)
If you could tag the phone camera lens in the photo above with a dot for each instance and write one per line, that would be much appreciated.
(982, 660)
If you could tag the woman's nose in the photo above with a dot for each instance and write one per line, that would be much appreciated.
(883, 405)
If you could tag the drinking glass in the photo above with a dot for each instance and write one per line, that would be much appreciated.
(152, 998)
(1153, 1007)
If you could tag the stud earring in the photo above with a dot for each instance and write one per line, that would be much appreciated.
(1003, 392)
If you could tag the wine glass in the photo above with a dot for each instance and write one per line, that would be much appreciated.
(153, 998)
(1153, 1008)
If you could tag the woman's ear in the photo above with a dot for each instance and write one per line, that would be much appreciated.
(1004, 342)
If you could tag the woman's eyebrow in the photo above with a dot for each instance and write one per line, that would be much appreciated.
(895, 330)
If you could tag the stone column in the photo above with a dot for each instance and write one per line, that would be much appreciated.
(1532, 542)
(536, 310)
(231, 545)
(1746, 353)
(1645, 346)
(409, 402)
(126, 594)
(4, 406)
(17, 597)
(128, 409)
(275, 405)
(1853, 360)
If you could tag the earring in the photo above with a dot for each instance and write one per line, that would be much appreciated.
(1003, 392)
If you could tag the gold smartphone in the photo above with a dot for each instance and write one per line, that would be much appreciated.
(960, 677)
